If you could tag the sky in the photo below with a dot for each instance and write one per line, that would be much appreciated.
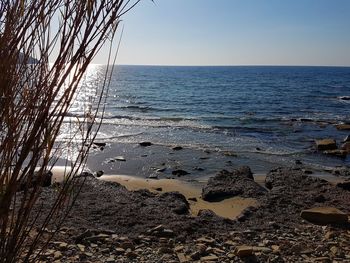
(236, 32)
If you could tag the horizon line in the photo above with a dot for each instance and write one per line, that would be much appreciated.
(226, 65)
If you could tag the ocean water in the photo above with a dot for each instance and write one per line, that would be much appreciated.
(263, 114)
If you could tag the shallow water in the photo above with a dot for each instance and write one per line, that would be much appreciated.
(266, 115)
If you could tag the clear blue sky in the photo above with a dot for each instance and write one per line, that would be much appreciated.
(237, 32)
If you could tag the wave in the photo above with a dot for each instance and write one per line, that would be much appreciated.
(143, 108)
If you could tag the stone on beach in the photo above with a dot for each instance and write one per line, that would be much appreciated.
(324, 215)
(145, 144)
(337, 153)
(179, 172)
(226, 184)
(177, 148)
(343, 127)
(326, 144)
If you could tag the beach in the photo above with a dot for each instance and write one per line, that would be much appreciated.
(128, 219)
(206, 173)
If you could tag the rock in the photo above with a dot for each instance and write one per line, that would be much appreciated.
(195, 255)
(298, 162)
(179, 248)
(100, 144)
(164, 250)
(57, 255)
(324, 215)
(326, 144)
(265, 250)
(244, 251)
(81, 247)
(153, 176)
(337, 153)
(209, 258)
(177, 202)
(346, 147)
(145, 144)
(193, 199)
(337, 252)
(344, 97)
(127, 244)
(177, 148)
(131, 254)
(344, 171)
(179, 172)
(229, 184)
(344, 185)
(182, 258)
(160, 170)
(347, 139)
(119, 251)
(99, 173)
(229, 154)
(343, 127)
(206, 240)
(120, 158)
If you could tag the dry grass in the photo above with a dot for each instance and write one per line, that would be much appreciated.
(35, 97)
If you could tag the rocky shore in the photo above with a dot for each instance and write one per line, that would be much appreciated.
(112, 224)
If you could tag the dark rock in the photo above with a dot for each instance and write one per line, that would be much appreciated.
(153, 176)
(43, 180)
(337, 153)
(307, 171)
(229, 154)
(326, 144)
(200, 169)
(298, 162)
(100, 144)
(160, 170)
(99, 173)
(344, 185)
(177, 148)
(324, 215)
(159, 189)
(320, 199)
(177, 202)
(145, 144)
(344, 97)
(345, 172)
(192, 199)
(120, 159)
(226, 184)
(343, 127)
(179, 172)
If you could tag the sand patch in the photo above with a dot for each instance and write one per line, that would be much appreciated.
(228, 208)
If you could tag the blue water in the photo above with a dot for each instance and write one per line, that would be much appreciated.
(270, 114)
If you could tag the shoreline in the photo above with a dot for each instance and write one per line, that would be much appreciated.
(162, 162)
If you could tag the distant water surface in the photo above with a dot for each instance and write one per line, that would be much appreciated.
(266, 114)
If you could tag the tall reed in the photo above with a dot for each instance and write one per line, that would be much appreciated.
(45, 49)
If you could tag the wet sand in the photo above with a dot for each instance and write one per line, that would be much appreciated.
(228, 208)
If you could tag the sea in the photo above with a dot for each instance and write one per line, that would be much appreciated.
(265, 115)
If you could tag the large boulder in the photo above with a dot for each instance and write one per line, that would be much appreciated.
(326, 144)
(324, 215)
(226, 184)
